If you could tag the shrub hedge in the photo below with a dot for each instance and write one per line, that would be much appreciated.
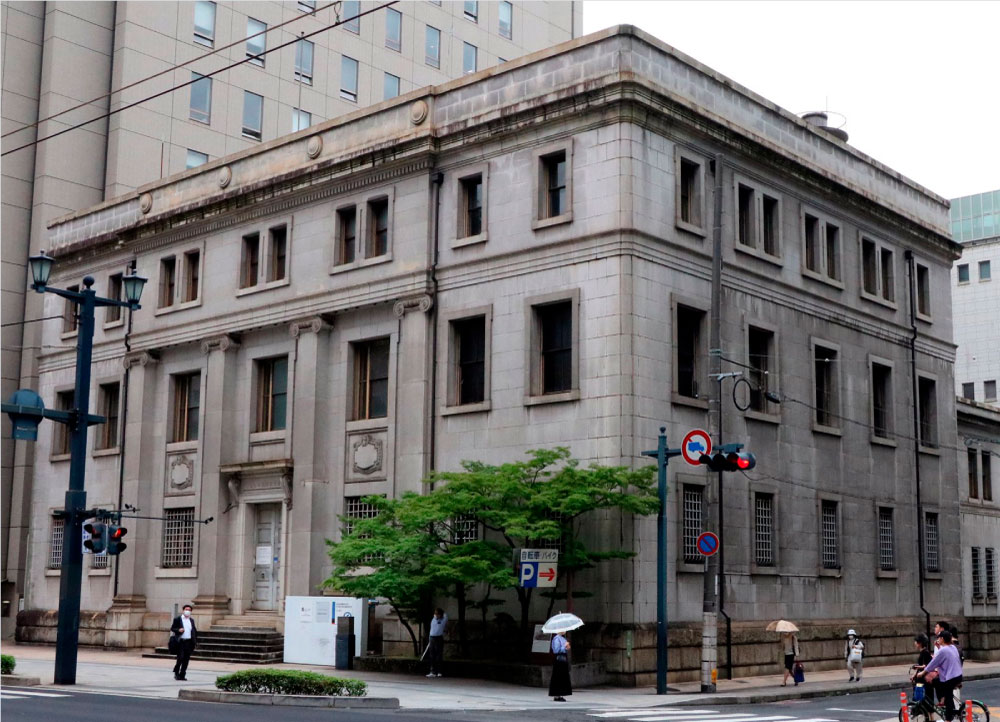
(7, 664)
(290, 681)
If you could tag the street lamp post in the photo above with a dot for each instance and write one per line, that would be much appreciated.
(79, 420)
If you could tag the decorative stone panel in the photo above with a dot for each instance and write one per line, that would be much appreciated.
(179, 476)
(366, 455)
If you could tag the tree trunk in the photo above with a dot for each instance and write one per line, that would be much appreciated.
(463, 636)
(406, 625)
(524, 597)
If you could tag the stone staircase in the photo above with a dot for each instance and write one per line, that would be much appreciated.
(251, 638)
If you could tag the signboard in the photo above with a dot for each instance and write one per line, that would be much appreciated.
(696, 442)
(539, 567)
(708, 544)
(263, 557)
(311, 628)
(541, 641)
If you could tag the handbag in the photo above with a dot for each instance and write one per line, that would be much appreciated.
(174, 645)
(799, 673)
(918, 693)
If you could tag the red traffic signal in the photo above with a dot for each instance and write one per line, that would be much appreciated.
(115, 543)
(732, 461)
(98, 541)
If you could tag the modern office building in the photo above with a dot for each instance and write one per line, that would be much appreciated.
(975, 223)
(301, 70)
(513, 259)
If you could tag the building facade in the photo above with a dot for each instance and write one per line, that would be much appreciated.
(517, 259)
(975, 223)
(61, 54)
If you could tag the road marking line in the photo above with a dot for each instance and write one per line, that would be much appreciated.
(654, 710)
(722, 717)
(21, 692)
(845, 709)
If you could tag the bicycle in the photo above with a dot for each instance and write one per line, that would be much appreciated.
(927, 711)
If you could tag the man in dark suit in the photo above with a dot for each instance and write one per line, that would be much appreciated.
(187, 636)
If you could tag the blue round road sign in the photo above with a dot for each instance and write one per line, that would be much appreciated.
(708, 544)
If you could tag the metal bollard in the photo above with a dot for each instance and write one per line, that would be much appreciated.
(904, 707)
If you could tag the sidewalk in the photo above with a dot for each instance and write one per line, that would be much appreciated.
(110, 672)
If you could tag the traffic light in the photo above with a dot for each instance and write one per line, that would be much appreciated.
(115, 544)
(98, 541)
(731, 461)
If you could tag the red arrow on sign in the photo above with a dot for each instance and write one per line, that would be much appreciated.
(549, 575)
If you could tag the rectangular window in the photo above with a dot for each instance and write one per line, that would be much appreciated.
(192, 269)
(256, 41)
(770, 225)
(390, 86)
(886, 547)
(355, 507)
(555, 323)
(990, 390)
(168, 281)
(465, 529)
(887, 275)
(371, 374)
(969, 391)
(300, 120)
(990, 559)
(272, 393)
(760, 349)
(869, 264)
(923, 290)
(56, 542)
(763, 529)
(690, 192)
(927, 390)
(471, 10)
(747, 216)
(187, 404)
(984, 271)
(973, 459)
(469, 55)
(506, 20)
(932, 550)
(107, 434)
(987, 475)
(194, 159)
(977, 573)
(307, 6)
(882, 416)
(253, 115)
(304, 61)
(347, 224)
(813, 258)
(472, 206)
(277, 253)
(100, 561)
(250, 260)
(201, 99)
(351, 11)
(60, 432)
(348, 78)
(178, 538)
(378, 229)
(114, 313)
(963, 273)
(204, 23)
(689, 362)
(70, 320)
(693, 500)
(825, 360)
(554, 184)
(393, 29)
(832, 252)
(831, 535)
(432, 47)
(470, 350)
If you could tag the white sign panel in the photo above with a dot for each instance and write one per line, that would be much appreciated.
(263, 555)
(541, 641)
(539, 555)
(311, 628)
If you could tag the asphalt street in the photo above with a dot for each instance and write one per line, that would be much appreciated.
(35, 704)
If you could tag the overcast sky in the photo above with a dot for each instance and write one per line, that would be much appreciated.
(918, 82)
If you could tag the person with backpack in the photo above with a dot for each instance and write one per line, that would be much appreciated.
(854, 652)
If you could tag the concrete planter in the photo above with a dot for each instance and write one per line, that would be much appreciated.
(16, 680)
(287, 700)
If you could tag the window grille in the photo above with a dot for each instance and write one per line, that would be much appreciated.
(692, 522)
(932, 552)
(178, 538)
(977, 573)
(886, 553)
(764, 530)
(465, 529)
(356, 508)
(56, 544)
(551, 543)
(831, 536)
(100, 561)
(991, 573)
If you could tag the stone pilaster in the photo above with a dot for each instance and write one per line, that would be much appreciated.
(413, 392)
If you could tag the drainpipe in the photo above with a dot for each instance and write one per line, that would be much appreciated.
(121, 432)
(437, 178)
(911, 278)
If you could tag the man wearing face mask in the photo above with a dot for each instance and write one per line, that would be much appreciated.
(187, 634)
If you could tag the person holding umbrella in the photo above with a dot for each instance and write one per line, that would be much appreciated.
(560, 686)
(789, 645)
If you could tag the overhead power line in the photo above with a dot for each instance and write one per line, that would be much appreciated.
(195, 80)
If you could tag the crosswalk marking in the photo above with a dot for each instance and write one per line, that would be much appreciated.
(22, 693)
(660, 714)
(654, 710)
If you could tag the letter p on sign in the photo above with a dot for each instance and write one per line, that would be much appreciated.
(529, 574)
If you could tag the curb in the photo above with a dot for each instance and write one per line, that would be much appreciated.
(16, 680)
(751, 698)
(287, 700)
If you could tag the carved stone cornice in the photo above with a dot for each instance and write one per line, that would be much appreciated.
(140, 358)
(314, 324)
(422, 303)
(225, 342)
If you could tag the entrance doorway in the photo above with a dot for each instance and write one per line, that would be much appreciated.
(267, 553)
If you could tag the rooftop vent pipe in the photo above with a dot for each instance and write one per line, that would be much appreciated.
(820, 119)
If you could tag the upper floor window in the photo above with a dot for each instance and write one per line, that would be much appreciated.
(432, 47)
(253, 115)
(760, 352)
(689, 194)
(256, 41)
(307, 6)
(393, 29)
(201, 98)
(826, 392)
(371, 379)
(469, 339)
(830, 530)
(277, 260)
(990, 390)
(969, 391)
(264, 256)
(272, 393)
(469, 58)
(506, 19)
(186, 406)
(471, 10)
(168, 281)
(963, 272)
(471, 206)
(250, 260)
(927, 408)
(348, 78)
(688, 324)
(347, 232)
(194, 159)
(351, 11)
(555, 326)
(304, 61)
(107, 433)
(932, 551)
(763, 529)
(390, 86)
(192, 273)
(923, 290)
(70, 320)
(378, 228)
(882, 412)
(822, 248)
(114, 313)
(758, 220)
(204, 23)
(301, 119)
(984, 271)
(973, 462)
(60, 432)
(878, 273)
(987, 458)
(886, 540)
(553, 185)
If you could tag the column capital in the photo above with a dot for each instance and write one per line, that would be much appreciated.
(223, 342)
(312, 324)
(422, 303)
(140, 358)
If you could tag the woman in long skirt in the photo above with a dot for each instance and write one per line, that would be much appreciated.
(560, 686)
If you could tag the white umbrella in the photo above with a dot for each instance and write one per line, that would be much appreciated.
(782, 626)
(562, 623)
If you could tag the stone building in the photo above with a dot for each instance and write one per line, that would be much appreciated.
(61, 54)
(515, 259)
